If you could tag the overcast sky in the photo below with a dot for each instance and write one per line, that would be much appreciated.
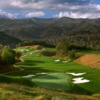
(50, 8)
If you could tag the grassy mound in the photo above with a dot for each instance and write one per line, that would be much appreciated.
(54, 81)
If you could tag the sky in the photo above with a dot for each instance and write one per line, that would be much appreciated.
(49, 9)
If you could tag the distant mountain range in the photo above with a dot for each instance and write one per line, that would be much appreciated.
(81, 32)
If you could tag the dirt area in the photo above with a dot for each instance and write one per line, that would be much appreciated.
(8, 68)
(36, 47)
(48, 53)
(92, 60)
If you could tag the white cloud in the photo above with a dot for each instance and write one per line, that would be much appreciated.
(4, 14)
(35, 14)
(78, 15)
(86, 7)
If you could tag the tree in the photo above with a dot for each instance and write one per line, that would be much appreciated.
(0, 57)
(72, 54)
(18, 55)
(62, 49)
(7, 56)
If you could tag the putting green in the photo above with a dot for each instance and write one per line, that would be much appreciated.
(55, 81)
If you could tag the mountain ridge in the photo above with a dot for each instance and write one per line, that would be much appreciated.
(86, 31)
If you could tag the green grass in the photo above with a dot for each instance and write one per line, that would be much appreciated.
(54, 81)
(33, 64)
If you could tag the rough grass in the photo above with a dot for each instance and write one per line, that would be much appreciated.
(20, 92)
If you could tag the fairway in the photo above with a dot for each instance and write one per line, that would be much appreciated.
(55, 79)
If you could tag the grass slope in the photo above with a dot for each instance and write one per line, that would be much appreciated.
(20, 92)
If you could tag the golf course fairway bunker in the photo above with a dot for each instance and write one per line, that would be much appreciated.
(54, 81)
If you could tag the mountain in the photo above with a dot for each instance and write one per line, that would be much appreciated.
(8, 40)
(81, 32)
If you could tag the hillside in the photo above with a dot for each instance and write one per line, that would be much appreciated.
(8, 40)
(79, 32)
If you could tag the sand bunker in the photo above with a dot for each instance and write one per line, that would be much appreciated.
(41, 73)
(29, 76)
(36, 47)
(92, 60)
(76, 74)
(56, 60)
(80, 80)
(65, 61)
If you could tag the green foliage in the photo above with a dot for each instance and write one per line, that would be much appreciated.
(7, 55)
(6, 39)
(0, 57)
(18, 54)
(36, 42)
(62, 49)
(72, 54)
(82, 33)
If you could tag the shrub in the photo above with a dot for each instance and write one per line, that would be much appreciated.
(7, 55)
(48, 53)
(72, 54)
(62, 49)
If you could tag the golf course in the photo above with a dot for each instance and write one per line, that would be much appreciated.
(53, 73)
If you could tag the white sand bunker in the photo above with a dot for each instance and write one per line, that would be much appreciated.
(21, 50)
(76, 74)
(56, 60)
(29, 76)
(65, 61)
(80, 80)
(31, 53)
(41, 73)
(27, 50)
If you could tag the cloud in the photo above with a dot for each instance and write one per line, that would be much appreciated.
(87, 7)
(77, 15)
(35, 14)
(41, 4)
(4, 14)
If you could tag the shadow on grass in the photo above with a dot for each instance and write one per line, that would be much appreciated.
(21, 81)
(29, 70)
(47, 77)
(30, 62)
(79, 90)
(53, 86)
(66, 87)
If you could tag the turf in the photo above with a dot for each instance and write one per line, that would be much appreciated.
(34, 63)
(54, 81)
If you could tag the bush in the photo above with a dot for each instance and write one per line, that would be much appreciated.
(48, 53)
(72, 54)
(62, 49)
(7, 56)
